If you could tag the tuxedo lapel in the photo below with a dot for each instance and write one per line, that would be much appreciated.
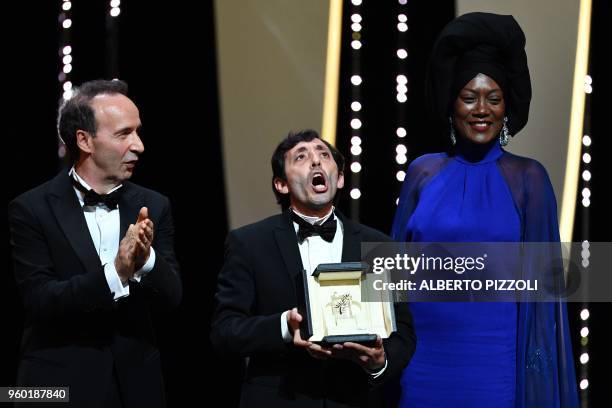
(286, 239)
(351, 243)
(130, 203)
(65, 205)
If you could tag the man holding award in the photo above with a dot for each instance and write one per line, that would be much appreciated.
(269, 266)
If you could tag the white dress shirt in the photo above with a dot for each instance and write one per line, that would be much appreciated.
(104, 225)
(314, 250)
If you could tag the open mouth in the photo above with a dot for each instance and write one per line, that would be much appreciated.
(319, 182)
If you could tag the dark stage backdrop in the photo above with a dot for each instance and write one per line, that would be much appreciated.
(597, 223)
(379, 114)
(29, 147)
(167, 55)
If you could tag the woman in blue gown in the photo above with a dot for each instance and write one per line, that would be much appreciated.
(483, 354)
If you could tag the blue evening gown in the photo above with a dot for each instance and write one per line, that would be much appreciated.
(483, 354)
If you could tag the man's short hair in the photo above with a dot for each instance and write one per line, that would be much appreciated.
(278, 159)
(76, 112)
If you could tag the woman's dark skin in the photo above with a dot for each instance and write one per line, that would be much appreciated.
(479, 110)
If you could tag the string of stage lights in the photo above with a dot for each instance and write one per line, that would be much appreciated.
(65, 56)
(401, 91)
(583, 372)
(355, 121)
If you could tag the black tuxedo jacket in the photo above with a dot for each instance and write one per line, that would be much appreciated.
(256, 285)
(75, 333)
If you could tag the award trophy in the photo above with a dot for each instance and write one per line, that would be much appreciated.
(337, 306)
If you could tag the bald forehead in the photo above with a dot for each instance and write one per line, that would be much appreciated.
(112, 104)
(116, 112)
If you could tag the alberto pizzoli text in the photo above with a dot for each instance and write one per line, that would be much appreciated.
(459, 285)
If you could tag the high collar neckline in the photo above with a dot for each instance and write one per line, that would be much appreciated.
(472, 153)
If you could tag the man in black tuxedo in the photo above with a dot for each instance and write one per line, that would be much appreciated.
(255, 314)
(89, 278)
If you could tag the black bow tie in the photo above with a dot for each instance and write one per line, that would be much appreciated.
(327, 230)
(90, 197)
